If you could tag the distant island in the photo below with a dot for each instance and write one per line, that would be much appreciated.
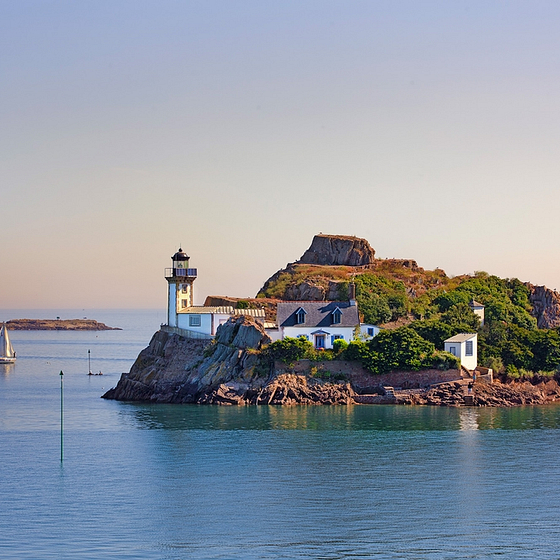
(58, 325)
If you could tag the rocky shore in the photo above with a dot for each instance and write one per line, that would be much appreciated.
(58, 325)
(230, 371)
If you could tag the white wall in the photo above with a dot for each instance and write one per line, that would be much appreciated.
(218, 319)
(274, 334)
(347, 333)
(205, 322)
(209, 322)
(470, 362)
(364, 327)
(480, 312)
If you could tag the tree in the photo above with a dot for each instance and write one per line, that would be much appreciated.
(290, 350)
(401, 348)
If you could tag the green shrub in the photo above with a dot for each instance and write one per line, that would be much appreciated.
(290, 350)
(339, 346)
(442, 360)
(401, 348)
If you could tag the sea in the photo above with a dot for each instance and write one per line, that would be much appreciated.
(119, 480)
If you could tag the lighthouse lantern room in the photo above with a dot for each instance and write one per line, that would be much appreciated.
(180, 279)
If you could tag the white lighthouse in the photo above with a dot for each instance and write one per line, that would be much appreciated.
(180, 280)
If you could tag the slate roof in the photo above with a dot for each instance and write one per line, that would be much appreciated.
(318, 313)
(461, 337)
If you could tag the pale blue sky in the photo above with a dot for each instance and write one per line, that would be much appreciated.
(241, 129)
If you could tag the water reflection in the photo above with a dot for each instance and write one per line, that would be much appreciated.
(6, 369)
(337, 418)
(468, 419)
(313, 418)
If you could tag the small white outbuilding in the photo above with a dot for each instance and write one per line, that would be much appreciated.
(464, 346)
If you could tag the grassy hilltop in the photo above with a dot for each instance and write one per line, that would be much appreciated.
(400, 295)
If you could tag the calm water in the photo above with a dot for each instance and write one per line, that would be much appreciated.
(177, 482)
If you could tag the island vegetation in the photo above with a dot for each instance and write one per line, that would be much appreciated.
(420, 309)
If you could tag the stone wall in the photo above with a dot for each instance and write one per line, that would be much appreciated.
(365, 382)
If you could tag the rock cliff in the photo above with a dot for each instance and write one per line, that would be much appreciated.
(546, 306)
(173, 369)
(338, 250)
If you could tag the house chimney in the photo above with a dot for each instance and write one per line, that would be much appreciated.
(352, 293)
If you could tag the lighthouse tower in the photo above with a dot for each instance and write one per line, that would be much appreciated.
(180, 279)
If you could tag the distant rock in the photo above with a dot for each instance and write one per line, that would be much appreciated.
(58, 325)
(338, 250)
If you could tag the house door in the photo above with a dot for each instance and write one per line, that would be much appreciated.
(319, 341)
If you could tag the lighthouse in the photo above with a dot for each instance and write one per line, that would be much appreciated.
(180, 279)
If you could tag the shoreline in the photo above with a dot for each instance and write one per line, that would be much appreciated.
(177, 370)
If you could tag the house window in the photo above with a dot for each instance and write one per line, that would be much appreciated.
(300, 316)
(453, 350)
(304, 336)
(194, 321)
(184, 288)
(469, 348)
(336, 316)
(183, 303)
(371, 331)
(336, 337)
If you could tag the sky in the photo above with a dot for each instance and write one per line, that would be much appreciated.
(240, 129)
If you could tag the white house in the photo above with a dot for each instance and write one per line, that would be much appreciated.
(206, 320)
(477, 309)
(321, 322)
(464, 346)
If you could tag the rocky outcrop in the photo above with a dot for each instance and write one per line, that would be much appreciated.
(338, 250)
(546, 306)
(319, 290)
(58, 325)
(483, 394)
(284, 389)
(173, 369)
(177, 369)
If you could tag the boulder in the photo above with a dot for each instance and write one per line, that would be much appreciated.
(338, 250)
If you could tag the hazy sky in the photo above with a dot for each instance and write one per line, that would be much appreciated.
(240, 129)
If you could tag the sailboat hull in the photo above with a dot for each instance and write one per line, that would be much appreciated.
(7, 360)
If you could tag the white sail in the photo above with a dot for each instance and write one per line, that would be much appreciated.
(6, 349)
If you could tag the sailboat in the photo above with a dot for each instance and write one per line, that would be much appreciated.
(7, 354)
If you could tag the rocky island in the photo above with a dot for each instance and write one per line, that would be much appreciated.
(58, 325)
(230, 371)
(405, 364)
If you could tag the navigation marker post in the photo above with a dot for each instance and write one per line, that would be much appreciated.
(89, 362)
(61, 417)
